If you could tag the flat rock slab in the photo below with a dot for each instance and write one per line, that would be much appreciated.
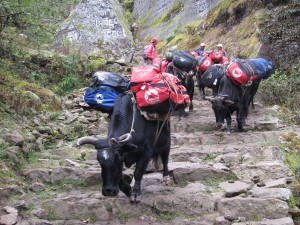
(280, 193)
(252, 208)
(282, 221)
(234, 188)
(265, 170)
(185, 171)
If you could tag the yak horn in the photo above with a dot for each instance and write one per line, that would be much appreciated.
(229, 102)
(208, 98)
(87, 140)
(125, 138)
(223, 96)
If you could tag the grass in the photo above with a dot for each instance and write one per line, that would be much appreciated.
(291, 150)
(167, 215)
(290, 147)
(123, 216)
(182, 184)
(210, 157)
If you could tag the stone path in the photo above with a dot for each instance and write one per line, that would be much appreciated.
(217, 179)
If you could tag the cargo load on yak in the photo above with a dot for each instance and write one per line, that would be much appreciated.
(160, 63)
(212, 76)
(157, 92)
(184, 61)
(216, 56)
(264, 68)
(241, 72)
(203, 62)
(104, 89)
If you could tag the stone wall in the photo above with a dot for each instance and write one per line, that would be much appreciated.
(151, 10)
(95, 26)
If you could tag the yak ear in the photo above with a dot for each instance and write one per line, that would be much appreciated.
(112, 141)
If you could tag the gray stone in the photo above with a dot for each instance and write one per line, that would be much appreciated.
(235, 188)
(65, 173)
(14, 153)
(253, 208)
(278, 183)
(83, 120)
(229, 159)
(195, 172)
(6, 192)
(45, 130)
(281, 221)
(92, 119)
(194, 187)
(92, 177)
(39, 175)
(152, 189)
(9, 219)
(36, 133)
(70, 209)
(13, 138)
(20, 205)
(87, 114)
(10, 209)
(264, 169)
(280, 193)
(71, 163)
(220, 220)
(266, 125)
(220, 166)
(36, 187)
(152, 179)
(29, 138)
(193, 204)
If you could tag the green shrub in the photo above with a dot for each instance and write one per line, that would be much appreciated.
(283, 90)
(68, 84)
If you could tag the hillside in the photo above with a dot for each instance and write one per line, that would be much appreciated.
(247, 29)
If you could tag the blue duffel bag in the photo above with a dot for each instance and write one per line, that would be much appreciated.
(104, 89)
(264, 68)
(101, 98)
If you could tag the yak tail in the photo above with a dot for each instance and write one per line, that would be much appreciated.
(156, 162)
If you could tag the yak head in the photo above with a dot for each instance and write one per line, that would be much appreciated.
(110, 155)
(219, 105)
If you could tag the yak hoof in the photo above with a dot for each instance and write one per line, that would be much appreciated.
(228, 132)
(135, 198)
(167, 180)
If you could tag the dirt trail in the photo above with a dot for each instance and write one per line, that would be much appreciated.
(213, 178)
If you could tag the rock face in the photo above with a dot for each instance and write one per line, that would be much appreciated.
(181, 14)
(95, 26)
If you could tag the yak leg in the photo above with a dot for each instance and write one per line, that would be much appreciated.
(165, 160)
(191, 86)
(125, 187)
(139, 171)
(228, 122)
(240, 119)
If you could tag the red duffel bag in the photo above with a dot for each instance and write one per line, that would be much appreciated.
(216, 56)
(157, 92)
(203, 62)
(240, 72)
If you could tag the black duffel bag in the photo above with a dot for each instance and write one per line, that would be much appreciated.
(212, 76)
(184, 61)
